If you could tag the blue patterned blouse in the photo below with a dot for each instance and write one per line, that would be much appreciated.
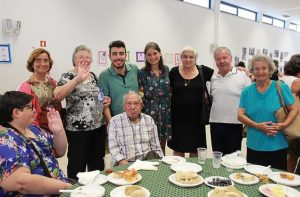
(15, 153)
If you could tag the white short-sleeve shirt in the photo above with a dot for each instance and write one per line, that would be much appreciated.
(226, 92)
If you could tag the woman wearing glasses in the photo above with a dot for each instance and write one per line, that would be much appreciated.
(84, 106)
(40, 85)
(27, 153)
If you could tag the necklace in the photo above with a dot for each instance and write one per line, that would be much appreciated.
(186, 82)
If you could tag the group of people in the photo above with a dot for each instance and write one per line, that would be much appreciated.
(142, 110)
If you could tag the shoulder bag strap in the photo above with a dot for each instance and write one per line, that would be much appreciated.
(205, 93)
(282, 103)
(29, 142)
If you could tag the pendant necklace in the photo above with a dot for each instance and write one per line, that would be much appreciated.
(186, 82)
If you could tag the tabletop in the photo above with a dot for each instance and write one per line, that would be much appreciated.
(159, 186)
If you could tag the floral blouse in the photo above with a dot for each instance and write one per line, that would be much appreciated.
(15, 153)
(156, 98)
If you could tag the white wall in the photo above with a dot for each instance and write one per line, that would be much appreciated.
(64, 24)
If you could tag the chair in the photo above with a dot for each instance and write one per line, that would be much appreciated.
(297, 168)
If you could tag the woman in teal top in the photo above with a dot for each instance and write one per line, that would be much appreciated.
(266, 144)
(154, 86)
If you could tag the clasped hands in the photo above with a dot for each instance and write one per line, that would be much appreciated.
(271, 128)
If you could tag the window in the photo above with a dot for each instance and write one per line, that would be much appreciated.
(247, 14)
(273, 21)
(293, 26)
(228, 8)
(203, 3)
(267, 19)
(278, 23)
(238, 11)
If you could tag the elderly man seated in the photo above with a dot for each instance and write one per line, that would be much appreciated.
(132, 135)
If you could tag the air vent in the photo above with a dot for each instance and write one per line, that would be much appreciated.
(286, 16)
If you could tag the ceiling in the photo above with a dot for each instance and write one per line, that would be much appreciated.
(274, 8)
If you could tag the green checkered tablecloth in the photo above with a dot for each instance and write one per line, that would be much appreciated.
(157, 182)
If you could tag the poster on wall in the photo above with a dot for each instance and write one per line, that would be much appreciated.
(244, 53)
(265, 51)
(140, 56)
(5, 53)
(169, 58)
(251, 51)
(236, 60)
(276, 53)
(177, 58)
(127, 56)
(102, 57)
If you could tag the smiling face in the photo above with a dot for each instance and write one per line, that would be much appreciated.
(261, 70)
(153, 56)
(117, 57)
(223, 62)
(188, 59)
(41, 64)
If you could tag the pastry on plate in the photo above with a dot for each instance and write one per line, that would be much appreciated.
(134, 191)
(187, 177)
(229, 191)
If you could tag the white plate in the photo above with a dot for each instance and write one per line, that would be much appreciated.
(240, 181)
(88, 191)
(211, 191)
(120, 191)
(275, 176)
(257, 169)
(233, 162)
(233, 167)
(209, 179)
(187, 166)
(173, 159)
(288, 191)
(172, 178)
(99, 180)
(122, 181)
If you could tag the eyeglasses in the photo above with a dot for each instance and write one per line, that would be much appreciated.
(29, 106)
(38, 61)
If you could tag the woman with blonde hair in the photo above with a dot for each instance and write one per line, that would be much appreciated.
(186, 83)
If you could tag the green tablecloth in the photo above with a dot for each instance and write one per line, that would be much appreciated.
(158, 184)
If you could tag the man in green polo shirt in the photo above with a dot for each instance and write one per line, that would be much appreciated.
(118, 79)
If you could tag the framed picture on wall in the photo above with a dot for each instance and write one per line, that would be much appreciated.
(177, 59)
(5, 56)
(127, 56)
(140, 56)
(102, 57)
(169, 58)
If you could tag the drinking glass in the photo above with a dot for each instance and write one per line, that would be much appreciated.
(202, 155)
(216, 159)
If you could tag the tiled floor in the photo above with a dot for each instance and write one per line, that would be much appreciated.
(63, 160)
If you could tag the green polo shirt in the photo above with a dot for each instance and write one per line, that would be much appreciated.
(115, 85)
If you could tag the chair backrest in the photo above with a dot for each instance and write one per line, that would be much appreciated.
(297, 168)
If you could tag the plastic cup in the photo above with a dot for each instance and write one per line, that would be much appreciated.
(108, 164)
(216, 159)
(202, 155)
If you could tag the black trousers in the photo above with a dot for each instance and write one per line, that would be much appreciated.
(86, 149)
(226, 138)
(277, 159)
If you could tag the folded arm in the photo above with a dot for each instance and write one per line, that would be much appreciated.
(22, 181)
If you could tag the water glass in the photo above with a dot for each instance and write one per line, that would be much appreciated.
(108, 164)
(202, 155)
(216, 159)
